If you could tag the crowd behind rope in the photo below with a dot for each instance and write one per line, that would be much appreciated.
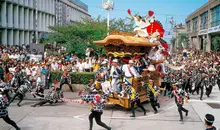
(38, 70)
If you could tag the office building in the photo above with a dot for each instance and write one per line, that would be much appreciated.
(21, 21)
(203, 25)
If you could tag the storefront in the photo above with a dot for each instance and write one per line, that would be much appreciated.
(215, 37)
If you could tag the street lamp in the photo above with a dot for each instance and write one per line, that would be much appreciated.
(108, 5)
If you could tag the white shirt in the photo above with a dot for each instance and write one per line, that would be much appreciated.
(28, 71)
(54, 66)
(154, 55)
(11, 56)
(22, 56)
(141, 23)
(127, 72)
(88, 50)
(87, 65)
(80, 67)
(45, 54)
(34, 72)
(17, 56)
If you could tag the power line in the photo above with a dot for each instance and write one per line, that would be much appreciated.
(123, 10)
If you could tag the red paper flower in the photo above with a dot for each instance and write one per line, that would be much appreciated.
(129, 11)
(150, 13)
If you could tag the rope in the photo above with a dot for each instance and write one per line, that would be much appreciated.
(79, 101)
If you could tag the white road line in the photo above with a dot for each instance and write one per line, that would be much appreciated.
(204, 101)
(79, 117)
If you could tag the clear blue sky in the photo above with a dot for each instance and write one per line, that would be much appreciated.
(178, 9)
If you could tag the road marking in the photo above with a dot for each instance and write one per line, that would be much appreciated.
(204, 101)
(141, 116)
(79, 117)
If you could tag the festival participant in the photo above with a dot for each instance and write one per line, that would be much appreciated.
(153, 93)
(155, 55)
(103, 74)
(130, 72)
(218, 78)
(21, 91)
(209, 120)
(4, 112)
(211, 84)
(65, 79)
(145, 60)
(96, 106)
(115, 74)
(179, 100)
(141, 26)
(39, 91)
(133, 95)
(51, 97)
(20, 76)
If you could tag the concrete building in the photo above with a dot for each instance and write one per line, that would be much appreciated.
(177, 30)
(68, 11)
(204, 24)
(22, 20)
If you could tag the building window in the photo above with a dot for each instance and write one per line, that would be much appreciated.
(195, 24)
(0, 14)
(215, 16)
(204, 21)
(80, 4)
(188, 26)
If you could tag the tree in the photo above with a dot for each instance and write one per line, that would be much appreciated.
(172, 42)
(183, 39)
(77, 36)
(216, 43)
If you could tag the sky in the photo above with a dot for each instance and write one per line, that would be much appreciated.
(163, 9)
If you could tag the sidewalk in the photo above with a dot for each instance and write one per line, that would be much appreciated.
(202, 107)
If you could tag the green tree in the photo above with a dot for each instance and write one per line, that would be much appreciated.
(77, 36)
(183, 38)
(216, 43)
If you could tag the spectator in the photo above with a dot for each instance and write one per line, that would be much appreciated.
(54, 66)
(87, 65)
(1, 72)
(47, 76)
(96, 66)
(69, 66)
(80, 66)
(89, 50)
(28, 71)
(74, 67)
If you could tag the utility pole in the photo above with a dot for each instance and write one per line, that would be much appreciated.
(36, 22)
(174, 30)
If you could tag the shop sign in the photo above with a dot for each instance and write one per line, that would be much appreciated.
(203, 32)
(214, 29)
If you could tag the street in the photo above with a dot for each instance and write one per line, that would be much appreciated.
(74, 116)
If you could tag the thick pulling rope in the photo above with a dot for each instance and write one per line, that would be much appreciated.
(78, 101)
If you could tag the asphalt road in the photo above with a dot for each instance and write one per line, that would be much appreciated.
(74, 116)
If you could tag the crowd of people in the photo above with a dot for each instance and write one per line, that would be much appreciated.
(184, 73)
(39, 69)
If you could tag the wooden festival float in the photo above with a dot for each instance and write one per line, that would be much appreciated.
(121, 44)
